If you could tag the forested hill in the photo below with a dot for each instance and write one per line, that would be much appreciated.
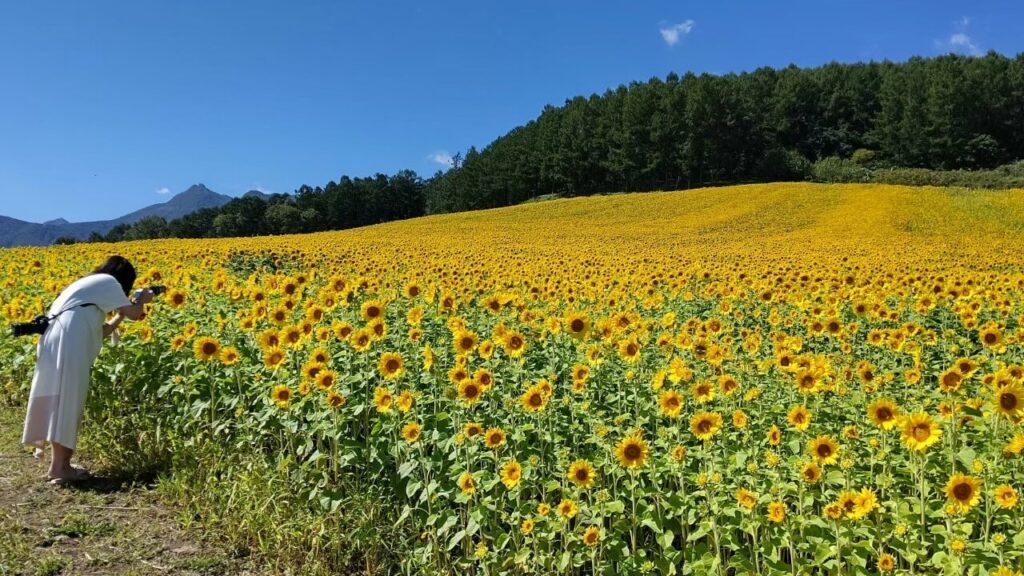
(949, 112)
(917, 122)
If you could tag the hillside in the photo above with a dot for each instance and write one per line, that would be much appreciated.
(15, 232)
(800, 224)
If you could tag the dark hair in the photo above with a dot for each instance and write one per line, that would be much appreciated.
(120, 268)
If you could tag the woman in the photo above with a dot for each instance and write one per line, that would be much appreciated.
(66, 353)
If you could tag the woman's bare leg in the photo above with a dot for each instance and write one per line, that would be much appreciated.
(60, 463)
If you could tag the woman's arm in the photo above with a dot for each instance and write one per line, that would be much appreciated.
(137, 308)
(110, 327)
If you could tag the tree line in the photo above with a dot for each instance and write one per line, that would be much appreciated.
(855, 121)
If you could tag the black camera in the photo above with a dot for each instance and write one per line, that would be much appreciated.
(158, 290)
(38, 325)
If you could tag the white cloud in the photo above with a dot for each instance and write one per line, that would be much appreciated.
(441, 157)
(263, 189)
(960, 41)
(163, 191)
(671, 33)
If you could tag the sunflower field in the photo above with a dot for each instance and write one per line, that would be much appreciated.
(764, 379)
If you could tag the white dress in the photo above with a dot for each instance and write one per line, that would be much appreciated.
(66, 353)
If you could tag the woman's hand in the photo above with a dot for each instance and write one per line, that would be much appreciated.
(143, 296)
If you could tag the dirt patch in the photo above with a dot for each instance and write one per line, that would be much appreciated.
(104, 526)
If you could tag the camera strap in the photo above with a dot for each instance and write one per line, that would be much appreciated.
(54, 317)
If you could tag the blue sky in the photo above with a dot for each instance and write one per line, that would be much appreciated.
(106, 106)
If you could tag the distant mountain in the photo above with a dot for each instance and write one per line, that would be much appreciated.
(257, 194)
(15, 232)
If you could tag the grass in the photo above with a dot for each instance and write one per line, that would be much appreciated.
(109, 526)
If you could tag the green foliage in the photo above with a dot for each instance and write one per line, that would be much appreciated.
(836, 170)
(946, 113)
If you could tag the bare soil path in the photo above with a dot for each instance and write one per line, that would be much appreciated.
(104, 526)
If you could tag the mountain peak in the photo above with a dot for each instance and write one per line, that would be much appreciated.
(56, 222)
(196, 190)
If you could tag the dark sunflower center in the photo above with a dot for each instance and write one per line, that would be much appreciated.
(576, 325)
(209, 348)
(392, 365)
(1008, 400)
(963, 491)
(921, 432)
(632, 452)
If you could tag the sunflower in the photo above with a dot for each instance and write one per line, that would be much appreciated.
(702, 391)
(1009, 400)
(405, 401)
(282, 395)
(229, 355)
(273, 357)
(671, 403)
(467, 484)
(291, 335)
(534, 399)
(361, 339)
(949, 381)
(464, 342)
(567, 509)
(577, 325)
(175, 298)
(371, 310)
(472, 429)
(883, 413)
(963, 492)
(886, 563)
(494, 437)
(810, 473)
(799, 417)
(920, 431)
(990, 336)
(382, 399)
(581, 473)
(705, 425)
(428, 357)
(206, 348)
(806, 381)
(320, 355)
(746, 499)
(727, 384)
(390, 365)
(580, 372)
(629, 350)
(412, 432)
(739, 419)
(311, 369)
(1005, 496)
(325, 379)
(591, 536)
(527, 526)
(864, 502)
(342, 331)
(774, 435)
(776, 512)
(514, 344)
(484, 378)
(469, 391)
(632, 452)
(511, 473)
(335, 400)
(824, 450)
(279, 316)
(177, 342)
